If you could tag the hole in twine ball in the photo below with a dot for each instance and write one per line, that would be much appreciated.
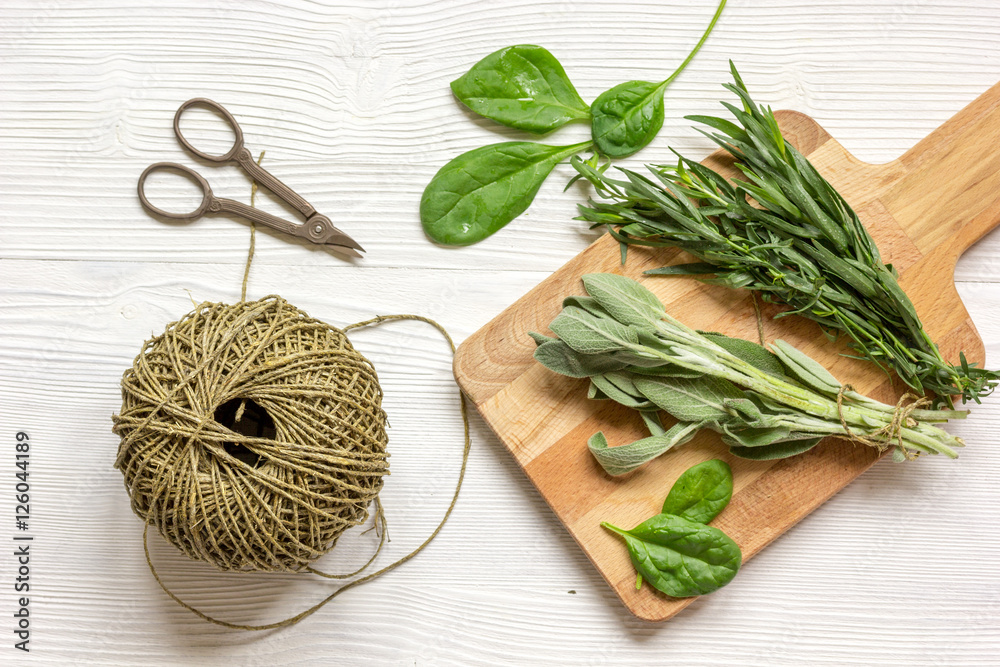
(244, 416)
(252, 435)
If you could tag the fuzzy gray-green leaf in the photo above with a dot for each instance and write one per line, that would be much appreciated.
(625, 299)
(618, 391)
(589, 334)
(626, 458)
(689, 399)
(740, 436)
(540, 338)
(559, 357)
(778, 450)
(805, 369)
(752, 353)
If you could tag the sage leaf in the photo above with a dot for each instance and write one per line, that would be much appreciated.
(624, 299)
(746, 409)
(652, 420)
(587, 303)
(680, 557)
(521, 86)
(701, 492)
(806, 369)
(540, 338)
(610, 389)
(559, 357)
(626, 458)
(689, 399)
(625, 118)
(480, 191)
(589, 334)
(644, 362)
(779, 450)
(756, 355)
(664, 369)
(755, 437)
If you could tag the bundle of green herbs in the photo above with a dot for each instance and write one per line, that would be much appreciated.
(784, 232)
(766, 404)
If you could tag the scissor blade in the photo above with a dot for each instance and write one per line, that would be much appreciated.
(344, 250)
(320, 229)
(339, 238)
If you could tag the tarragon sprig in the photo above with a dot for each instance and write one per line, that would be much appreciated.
(764, 404)
(785, 232)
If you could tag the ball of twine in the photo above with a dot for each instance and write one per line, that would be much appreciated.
(252, 436)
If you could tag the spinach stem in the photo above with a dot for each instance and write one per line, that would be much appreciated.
(697, 47)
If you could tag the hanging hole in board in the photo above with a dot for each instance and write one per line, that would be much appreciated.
(253, 422)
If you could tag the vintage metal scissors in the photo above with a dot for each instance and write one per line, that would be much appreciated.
(316, 228)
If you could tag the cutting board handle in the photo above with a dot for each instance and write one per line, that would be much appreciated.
(949, 195)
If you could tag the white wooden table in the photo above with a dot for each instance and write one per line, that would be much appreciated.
(351, 102)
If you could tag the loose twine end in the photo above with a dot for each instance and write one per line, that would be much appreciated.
(253, 234)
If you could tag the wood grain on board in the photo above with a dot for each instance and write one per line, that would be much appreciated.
(923, 209)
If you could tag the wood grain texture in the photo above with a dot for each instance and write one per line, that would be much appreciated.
(350, 99)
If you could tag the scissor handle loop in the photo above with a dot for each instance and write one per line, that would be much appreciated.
(207, 197)
(205, 102)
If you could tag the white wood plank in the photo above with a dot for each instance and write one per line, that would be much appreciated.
(351, 102)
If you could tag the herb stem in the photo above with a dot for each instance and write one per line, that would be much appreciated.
(730, 367)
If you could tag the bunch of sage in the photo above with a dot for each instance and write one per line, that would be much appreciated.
(526, 88)
(765, 404)
(784, 232)
(675, 551)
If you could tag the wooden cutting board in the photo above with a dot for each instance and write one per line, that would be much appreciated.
(923, 210)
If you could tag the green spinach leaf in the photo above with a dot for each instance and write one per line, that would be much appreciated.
(479, 192)
(627, 117)
(680, 557)
(521, 86)
(701, 492)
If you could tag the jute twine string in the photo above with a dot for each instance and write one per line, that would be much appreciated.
(890, 434)
(246, 502)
